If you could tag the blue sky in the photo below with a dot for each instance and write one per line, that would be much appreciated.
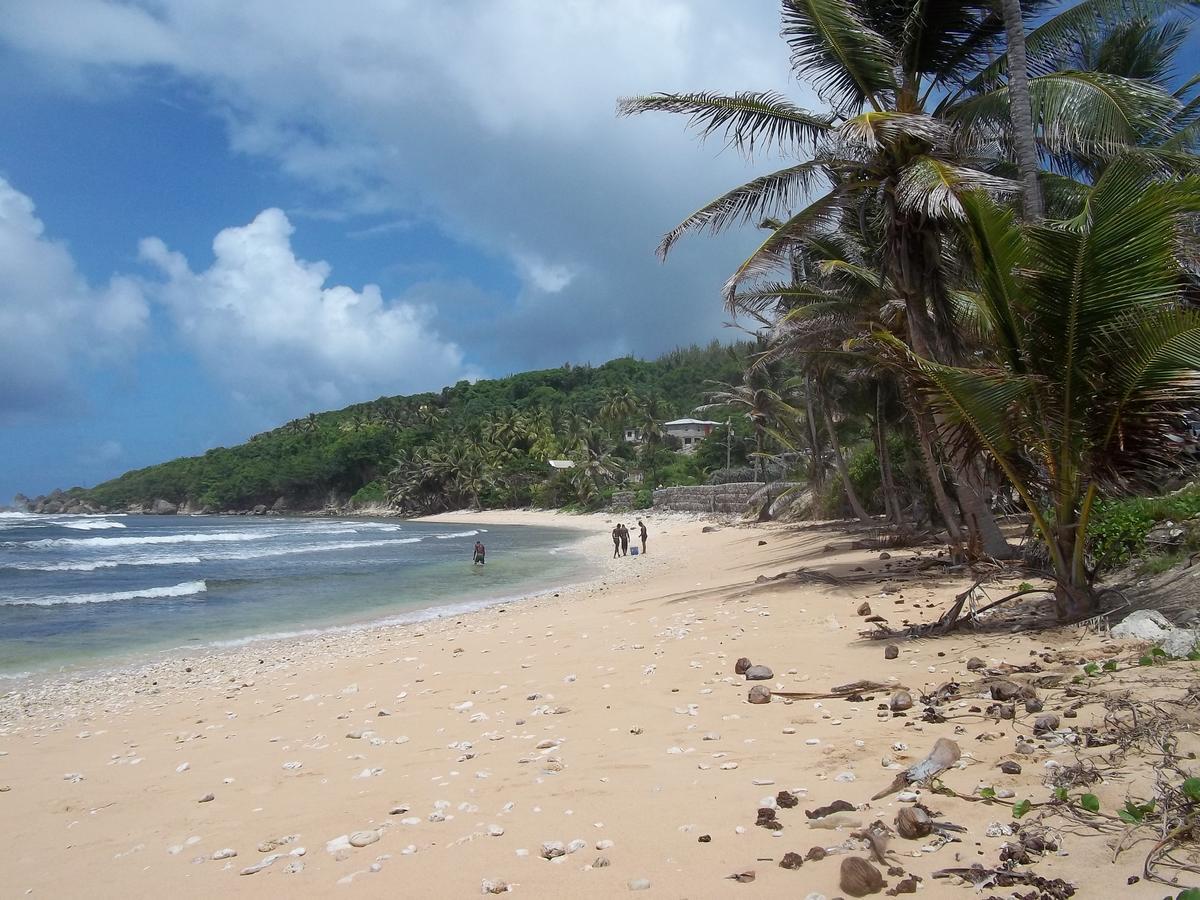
(216, 217)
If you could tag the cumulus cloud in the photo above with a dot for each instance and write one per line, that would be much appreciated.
(493, 120)
(53, 324)
(277, 333)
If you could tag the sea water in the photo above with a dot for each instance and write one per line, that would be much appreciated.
(80, 590)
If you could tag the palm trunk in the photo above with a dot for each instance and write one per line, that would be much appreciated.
(933, 472)
(914, 271)
(891, 502)
(843, 471)
(817, 463)
(1021, 110)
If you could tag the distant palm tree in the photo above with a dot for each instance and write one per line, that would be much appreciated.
(619, 407)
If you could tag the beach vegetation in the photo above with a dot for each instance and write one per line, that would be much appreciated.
(989, 225)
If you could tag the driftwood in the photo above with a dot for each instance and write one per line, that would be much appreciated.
(841, 691)
(944, 754)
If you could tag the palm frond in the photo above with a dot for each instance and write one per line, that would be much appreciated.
(747, 120)
(1045, 43)
(1000, 251)
(763, 197)
(848, 62)
(934, 187)
(780, 293)
(1089, 114)
(883, 128)
(775, 252)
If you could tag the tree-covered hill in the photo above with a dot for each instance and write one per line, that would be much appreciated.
(499, 431)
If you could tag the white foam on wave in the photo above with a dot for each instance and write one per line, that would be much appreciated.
(93, 565)
(90, 524)
(184, 589)
(314, 548)
(456, 534)
(214, 537)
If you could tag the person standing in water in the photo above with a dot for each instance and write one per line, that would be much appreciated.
(642, 535)
(480, 553)
(616, 536)
(624, 541)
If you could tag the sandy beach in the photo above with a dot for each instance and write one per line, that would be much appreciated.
(604, 721)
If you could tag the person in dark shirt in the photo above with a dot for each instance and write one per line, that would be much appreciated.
(480, 553)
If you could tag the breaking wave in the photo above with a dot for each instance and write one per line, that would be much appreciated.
(184, 589)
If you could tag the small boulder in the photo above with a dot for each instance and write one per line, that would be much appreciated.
(742, 665)
(864, 609)
(901, 700)
(891, 651)
(791, 861)
(974, 664)
(760, 693)
(1046, 724)
(759, 673)
(1009, 767)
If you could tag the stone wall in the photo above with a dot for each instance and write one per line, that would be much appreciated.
(622, 500)
(714, 499)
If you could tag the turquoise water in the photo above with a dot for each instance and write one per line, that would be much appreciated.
(83, 589)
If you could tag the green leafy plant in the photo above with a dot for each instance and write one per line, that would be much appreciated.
(1191, 787)
(1021, 808)
(1091, 669)
(1090, 802)
(1135, 813)
(1060, 794)
(988, 793)
(1110, 666)
(1155, 656)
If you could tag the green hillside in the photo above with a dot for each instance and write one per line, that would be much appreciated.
(484, 443)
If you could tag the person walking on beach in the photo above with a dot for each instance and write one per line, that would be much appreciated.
(480, 553)
(616, 536)
(624, 541)
(642, 535)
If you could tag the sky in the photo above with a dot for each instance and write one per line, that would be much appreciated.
(218, 216)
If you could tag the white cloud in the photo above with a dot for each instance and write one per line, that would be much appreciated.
(270, 326)
(493, 121)
(53, 324)
(548, 277)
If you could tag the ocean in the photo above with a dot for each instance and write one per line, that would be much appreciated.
(78, 591)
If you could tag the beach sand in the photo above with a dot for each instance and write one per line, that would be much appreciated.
(607, 717)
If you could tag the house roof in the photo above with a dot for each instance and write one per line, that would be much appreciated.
(691, 422)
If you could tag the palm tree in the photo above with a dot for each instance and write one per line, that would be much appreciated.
(759, 398)
(619, 406)
(1097, 361)
(913, 128)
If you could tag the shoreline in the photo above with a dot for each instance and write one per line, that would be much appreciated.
(608, 718)
(145, 662)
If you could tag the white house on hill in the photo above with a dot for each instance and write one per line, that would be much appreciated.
(689, 431)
